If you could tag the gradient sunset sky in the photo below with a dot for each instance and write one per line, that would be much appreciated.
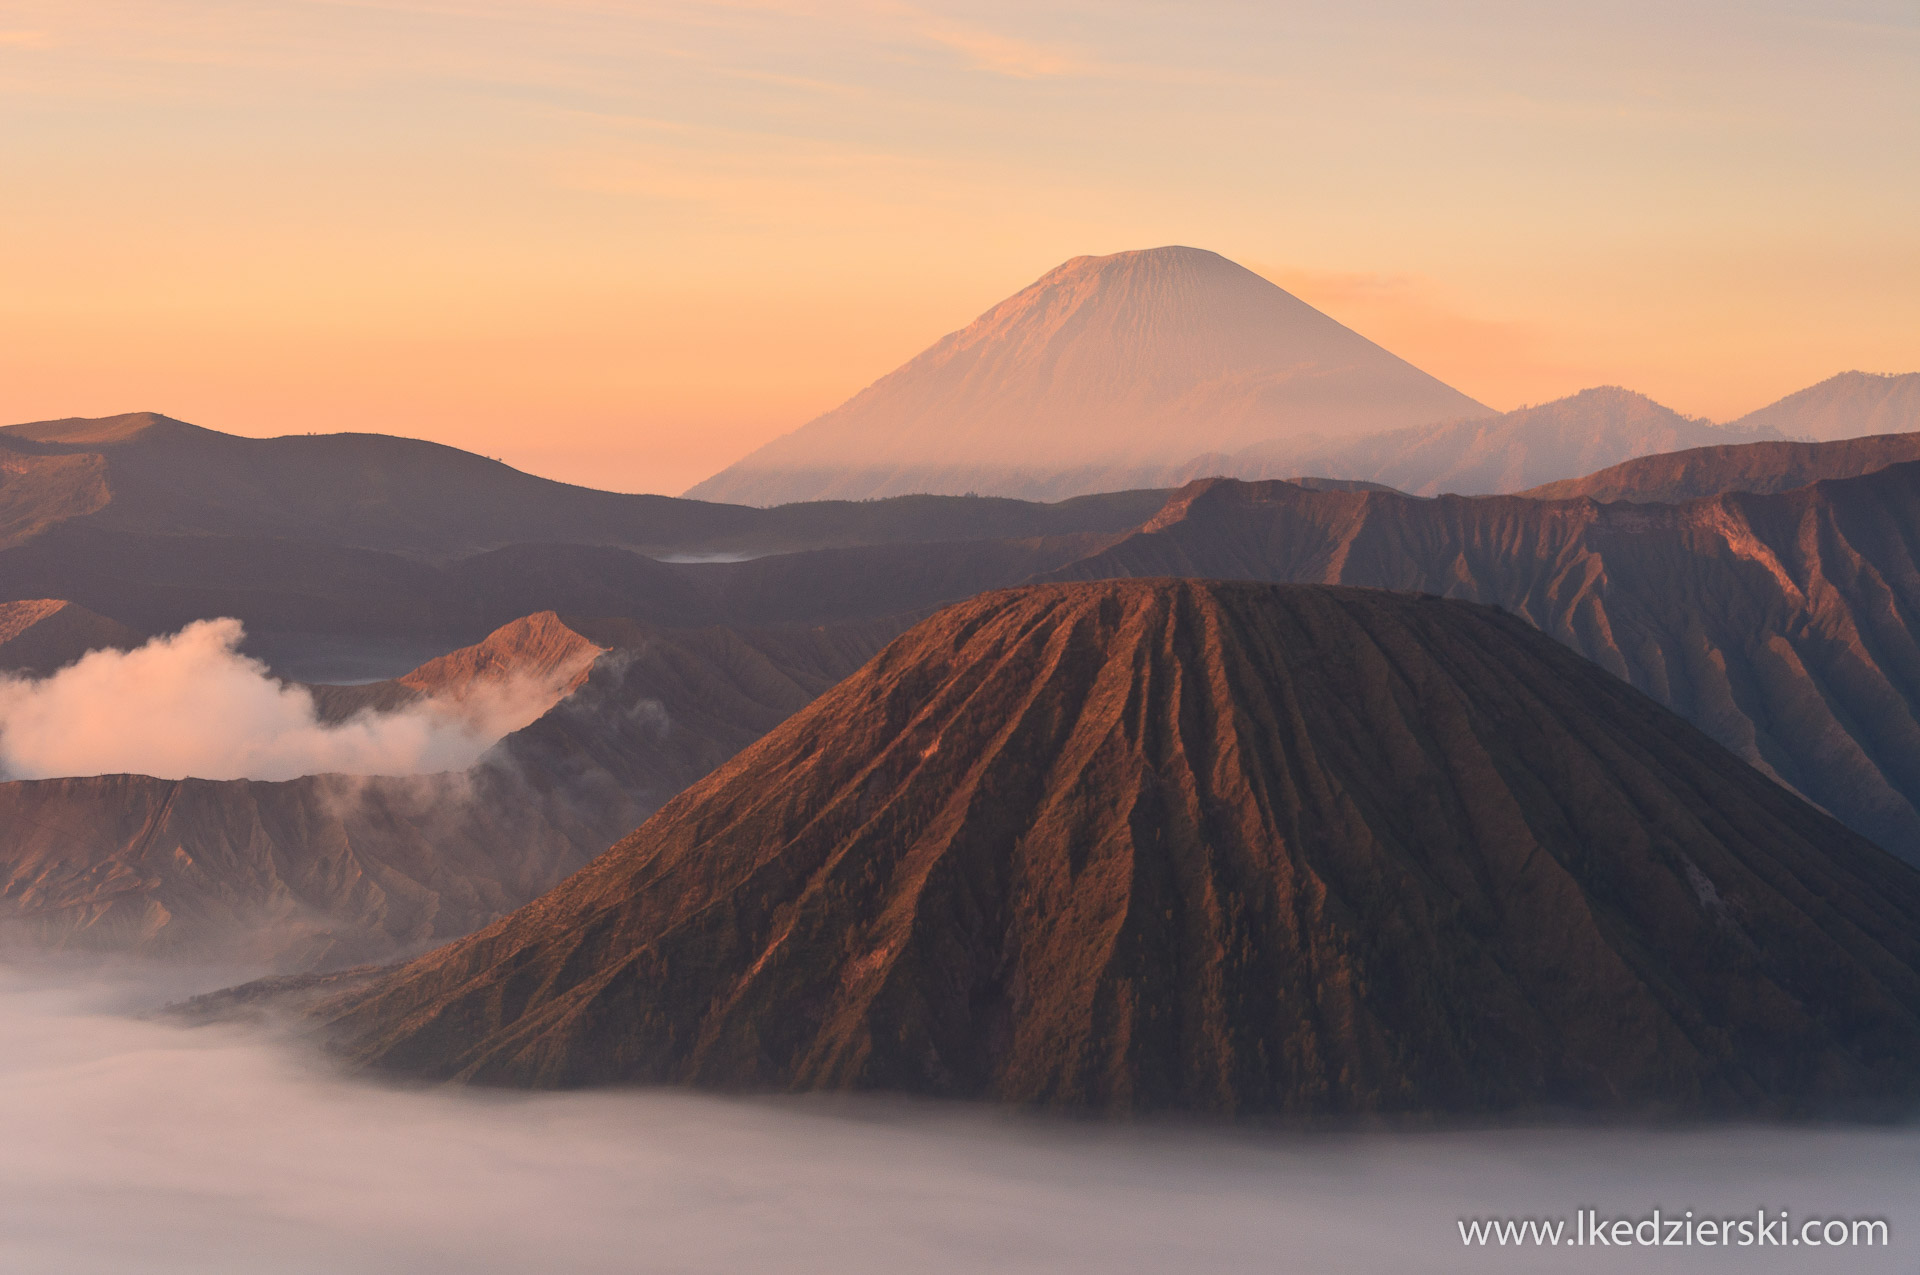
(622, 243)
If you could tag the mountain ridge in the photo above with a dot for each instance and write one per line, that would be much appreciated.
(1762, 467)
(1483, 455)
(145, 473)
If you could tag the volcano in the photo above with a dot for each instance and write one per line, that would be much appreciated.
(1229, 848)
(1139, 359)
(1850, 405)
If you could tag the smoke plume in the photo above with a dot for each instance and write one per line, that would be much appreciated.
(190, 705)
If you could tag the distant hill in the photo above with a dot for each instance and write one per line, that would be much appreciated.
(1223, 848)
(153, 475)
(1849, 405)
(1484, 455)
(1521, 448)
(1758, 467)
(1103, 366)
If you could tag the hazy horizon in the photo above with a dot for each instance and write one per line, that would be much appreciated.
(627, 243)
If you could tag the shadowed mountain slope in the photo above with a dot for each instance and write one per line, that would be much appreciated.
(39, 635)
(1759, 467)
(1849, 405)
(37, 491)
(1139, 358)
(151, 475)
(330, 870)
(1216, 847)
(1783, 625)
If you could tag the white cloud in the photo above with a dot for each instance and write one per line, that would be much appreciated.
(190, 705)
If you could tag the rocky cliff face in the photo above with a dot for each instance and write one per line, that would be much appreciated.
(1230, 848)
(1782, 625)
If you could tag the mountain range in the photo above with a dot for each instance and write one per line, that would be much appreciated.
(1153, 368)
(317, 540)
(1775, 622)
(1434, 760)
(1223, 848)
(1485, 455)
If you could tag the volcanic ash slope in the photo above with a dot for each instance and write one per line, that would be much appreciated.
(1229, 848)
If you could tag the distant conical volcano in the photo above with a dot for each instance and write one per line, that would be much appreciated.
(1850, 405)
(1136, 359)
(1227, 847)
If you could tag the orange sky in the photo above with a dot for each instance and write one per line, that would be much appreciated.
(622, 243)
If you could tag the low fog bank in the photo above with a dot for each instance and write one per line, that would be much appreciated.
(189, 704)
(139, 1145)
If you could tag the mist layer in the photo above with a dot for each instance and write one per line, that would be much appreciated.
(133, 1145)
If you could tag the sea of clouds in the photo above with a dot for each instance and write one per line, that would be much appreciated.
(136, 1145)
(189, 704)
